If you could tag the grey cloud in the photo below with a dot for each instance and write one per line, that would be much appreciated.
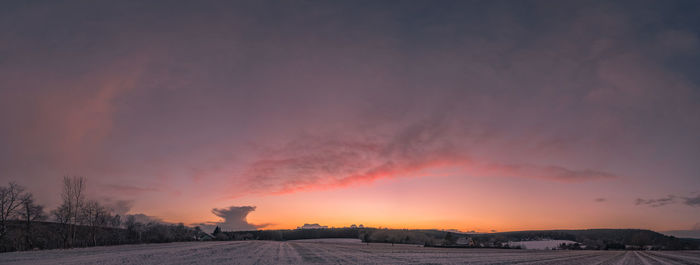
(144, 219)
(117, 206)
(678, 40)
(693, 201)
(670, 199)
(234, 218)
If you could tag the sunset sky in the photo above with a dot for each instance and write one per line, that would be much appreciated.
(470, 115)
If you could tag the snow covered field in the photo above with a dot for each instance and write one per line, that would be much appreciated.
(332, 252)
(540, 244)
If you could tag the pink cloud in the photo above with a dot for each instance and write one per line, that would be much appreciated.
(312, 163)
(66, 121)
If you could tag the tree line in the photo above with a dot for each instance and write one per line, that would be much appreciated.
(593, 239)
(76, 222)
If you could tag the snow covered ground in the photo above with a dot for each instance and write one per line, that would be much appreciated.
(329, 240)
(334, 252)
(540, 244)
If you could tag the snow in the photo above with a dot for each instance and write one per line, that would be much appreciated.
(540, 244)
(330, 240)
(334, 251)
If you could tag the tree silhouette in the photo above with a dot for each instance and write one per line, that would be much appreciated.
(449, 239)
(29, 213)
(10, 201)
(69, 212)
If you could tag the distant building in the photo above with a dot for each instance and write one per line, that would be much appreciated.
(204, 237)
(465, 241)
(312, 226)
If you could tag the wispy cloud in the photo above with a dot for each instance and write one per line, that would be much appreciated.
(693, 201)
(129, 190)
(322, 162)
(670, 199)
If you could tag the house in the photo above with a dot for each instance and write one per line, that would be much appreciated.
(465, 241)
(312, 226)
(203, 237)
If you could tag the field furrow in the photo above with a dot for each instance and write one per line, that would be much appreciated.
(342, 252)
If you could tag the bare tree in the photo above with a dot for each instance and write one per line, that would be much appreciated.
(69, 212)
(115, 221)
(134, 227)
(10, 200)
(94, 216)
(62, 216)
(29, 213)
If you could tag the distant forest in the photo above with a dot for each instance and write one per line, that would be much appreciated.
(594, 239)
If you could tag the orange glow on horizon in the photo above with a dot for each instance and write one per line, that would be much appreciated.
(442, 200)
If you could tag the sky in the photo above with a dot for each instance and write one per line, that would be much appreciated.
(469, 115)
